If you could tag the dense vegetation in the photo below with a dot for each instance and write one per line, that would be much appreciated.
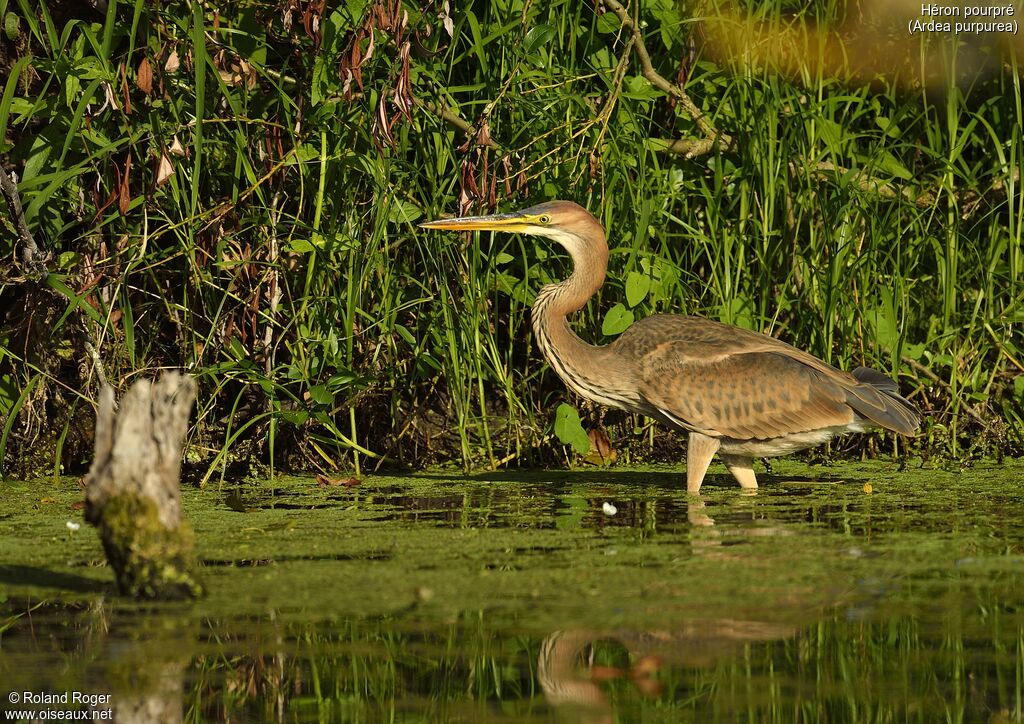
(233, 189)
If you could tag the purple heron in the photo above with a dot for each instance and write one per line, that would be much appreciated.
(738, 393)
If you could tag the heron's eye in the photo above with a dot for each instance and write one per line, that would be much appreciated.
(544, 219)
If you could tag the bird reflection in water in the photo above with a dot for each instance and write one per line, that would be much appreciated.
(572, 681)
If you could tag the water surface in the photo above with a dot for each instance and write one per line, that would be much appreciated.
(854, 593)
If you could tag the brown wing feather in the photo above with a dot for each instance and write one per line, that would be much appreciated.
(758, 395)
(725, 380)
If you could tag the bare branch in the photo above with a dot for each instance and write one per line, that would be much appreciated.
(449, 116)
(32, 258)
(866, 182)
(714, 138)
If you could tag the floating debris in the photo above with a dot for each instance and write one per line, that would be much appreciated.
(324, 481)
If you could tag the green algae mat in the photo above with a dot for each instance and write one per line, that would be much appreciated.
(854, 593)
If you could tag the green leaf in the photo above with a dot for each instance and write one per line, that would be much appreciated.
(295, 417)
(538, 36)
(9, 393)
(885, 327)
(319, 87)
(602, 59)
(569, 430)
(738, 311)
(608, 23)
(11, 29)
(916, 352)
(891, 165)
(832, 134)
(890, 129)
(637, 287)
(478, 42)
(300, 246)
(251, 37)
(38, 156)
(238, 349)
(404, 212)
(321, 395)
(356, 8)
(405, 334)
(75, 301)
(503, 258)
(616, 321)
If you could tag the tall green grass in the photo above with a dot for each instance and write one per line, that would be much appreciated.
(281, 264)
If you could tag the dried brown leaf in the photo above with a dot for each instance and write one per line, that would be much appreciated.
(601, 450)
(124, 196)
(483, 134)
(446, 19)
(403, 86)
(506, 166)
(124, 91)
(324, 481)
(173, 62)
(382, 124)
(164, 170)
(144, 77)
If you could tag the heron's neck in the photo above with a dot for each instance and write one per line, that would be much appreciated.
(585, 368)
(555, 302)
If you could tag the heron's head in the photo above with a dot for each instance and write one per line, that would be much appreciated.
(569, 224)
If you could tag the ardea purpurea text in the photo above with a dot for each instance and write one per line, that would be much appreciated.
(736, 392)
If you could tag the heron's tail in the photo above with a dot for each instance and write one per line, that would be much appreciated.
(878, 399)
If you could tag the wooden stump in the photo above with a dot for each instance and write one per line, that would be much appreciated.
(132, 491)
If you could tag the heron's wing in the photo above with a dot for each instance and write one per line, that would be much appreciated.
(742, 395)
(723, 380)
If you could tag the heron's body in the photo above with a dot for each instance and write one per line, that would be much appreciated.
(739, 393)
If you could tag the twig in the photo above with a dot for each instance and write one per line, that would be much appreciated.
(275, 292)
(690, 148)
(918, 367)
(971, 199)
(866, 182)
(32, 258)
(714, 138)
(97, 362)
(449, 116)
(971, 412)
(1002, 348)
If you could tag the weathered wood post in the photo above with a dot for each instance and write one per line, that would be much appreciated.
(132, 492)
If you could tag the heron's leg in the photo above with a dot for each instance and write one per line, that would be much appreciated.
(742, 468)
(698, 456)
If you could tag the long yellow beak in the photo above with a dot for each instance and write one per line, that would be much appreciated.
(517, 221)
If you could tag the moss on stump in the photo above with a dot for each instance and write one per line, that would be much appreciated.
(149, 560)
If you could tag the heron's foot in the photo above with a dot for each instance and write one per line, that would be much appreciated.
(742, 468)
(698, 456)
